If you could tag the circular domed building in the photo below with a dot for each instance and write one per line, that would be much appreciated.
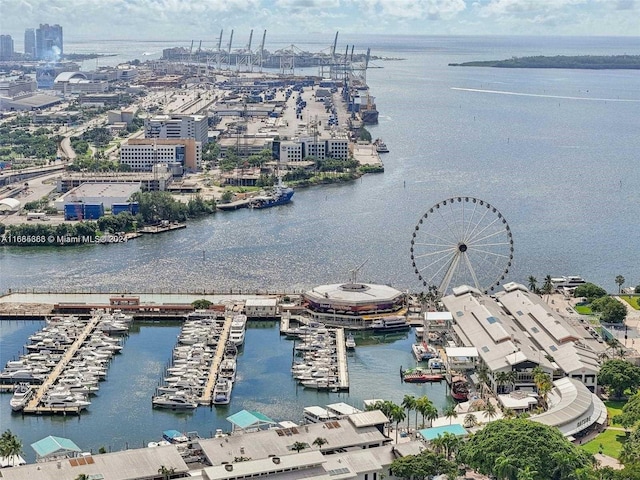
(353, 304)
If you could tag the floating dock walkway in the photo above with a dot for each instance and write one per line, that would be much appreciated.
(34, 407)
(341, 354)
(206, 398)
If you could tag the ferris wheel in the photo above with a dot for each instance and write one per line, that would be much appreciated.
(462, 241)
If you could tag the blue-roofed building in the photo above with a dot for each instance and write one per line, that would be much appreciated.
(246, 420)
(55, 447)
(430, 434)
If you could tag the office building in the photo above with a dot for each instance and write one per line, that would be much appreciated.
(30, 43)
(6, 47)
(49, 43)
(177, 126)
(142, 154)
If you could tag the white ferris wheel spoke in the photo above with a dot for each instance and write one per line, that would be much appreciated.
(444, 285)
(486, 237)
(480, 221)
(472, 239)
(472, 272)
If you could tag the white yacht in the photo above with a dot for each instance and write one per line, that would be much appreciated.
(237, 332)
(350, 342)
(177, 401)
(228, 369)
(222, 391)
(21, 396)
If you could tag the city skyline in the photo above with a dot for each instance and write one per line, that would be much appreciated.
(174, 20)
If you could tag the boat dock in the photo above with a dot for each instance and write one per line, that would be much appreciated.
(235, 205)
(206, 398)
(341, 354)
(154, 229)
(34, 404)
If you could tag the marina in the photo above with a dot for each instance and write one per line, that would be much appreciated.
(264, 383)
(70, 356)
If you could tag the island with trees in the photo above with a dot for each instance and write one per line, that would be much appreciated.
(591, 62)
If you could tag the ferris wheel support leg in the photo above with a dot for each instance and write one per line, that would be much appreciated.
(446, 280)
(472, 272)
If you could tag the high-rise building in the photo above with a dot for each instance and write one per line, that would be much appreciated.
(49, 45)
(177, 126)
(30, 43)
(6, 47)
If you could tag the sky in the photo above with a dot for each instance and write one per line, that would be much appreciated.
(203, 19)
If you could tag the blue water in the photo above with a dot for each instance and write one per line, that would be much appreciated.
(121, 415)
(561, 166)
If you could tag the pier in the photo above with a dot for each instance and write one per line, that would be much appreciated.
(34, 406)
(341, 354)
(206, 399)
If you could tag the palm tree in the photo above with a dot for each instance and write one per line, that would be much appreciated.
(483, 377)
(427, 409)
(297, 446)
(490, 410)
(547, 287)
(619, 281)
(512, 377)
(450, 413)
(319, 442)
(10, 446)
(469, 421)
(533, 284)
(166, 472)
(501, 380)
(409, 402)
(397, 416)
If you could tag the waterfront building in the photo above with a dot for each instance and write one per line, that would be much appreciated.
(78, 83)
(261, 307)
(177, 127)
(93, 193)
(6, 47)
(137, 464)
(353, 304)
(143, 153)
(30, 43)
(49, 42)
(333, 146)
(516, 332)
(158, 179)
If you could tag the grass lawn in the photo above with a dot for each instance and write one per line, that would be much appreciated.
(611, 441)
(614, 407)
(583, 309)
(631, 300)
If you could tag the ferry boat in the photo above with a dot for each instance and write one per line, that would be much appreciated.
(21, 396)
(390, 324)
(381, 147)
(280, 195)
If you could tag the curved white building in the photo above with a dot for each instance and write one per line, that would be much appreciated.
(355, 304)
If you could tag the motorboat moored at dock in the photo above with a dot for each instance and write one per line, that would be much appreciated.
(21, 396)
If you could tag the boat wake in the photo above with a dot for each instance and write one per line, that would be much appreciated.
(520, 94)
